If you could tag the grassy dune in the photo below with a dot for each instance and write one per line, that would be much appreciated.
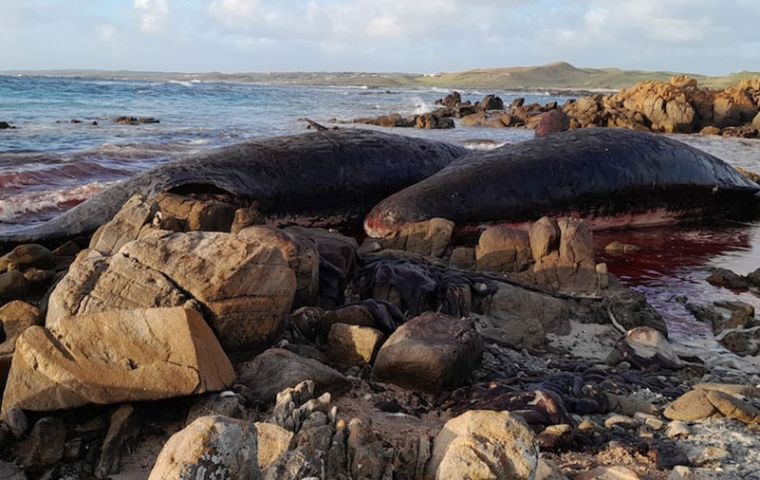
(559, 76)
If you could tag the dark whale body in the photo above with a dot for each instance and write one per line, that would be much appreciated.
(613, 178)
(338, 173)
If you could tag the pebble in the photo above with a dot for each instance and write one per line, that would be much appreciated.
(587, 426)
(677, 429)
(621, 421)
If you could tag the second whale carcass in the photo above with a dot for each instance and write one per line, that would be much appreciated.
(612, 178)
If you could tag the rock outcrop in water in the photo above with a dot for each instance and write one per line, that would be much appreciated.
(678, 106)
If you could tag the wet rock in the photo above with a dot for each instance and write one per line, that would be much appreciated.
(491, 102)
(521, 318)
(27, 256)
(13, 285)
(350, 345)
(45, 443)
(115, 357)
(433, 120)
(722, 277)
(123, 429)
(484, 444)
(691, 406)
(5, 125)
(647, 348)
(432, 352)
(503, 249)
(128, 120)
(552, 122)
(609, 473)
(216, 269)
(210, 447)
(276, 369)
(125, 226)
(300, 253)
(619, 248)
(430, 237)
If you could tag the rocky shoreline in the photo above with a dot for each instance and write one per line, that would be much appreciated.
(186, 340)
(679, 106)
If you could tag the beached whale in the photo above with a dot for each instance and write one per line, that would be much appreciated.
(319, 176)
(613, 178)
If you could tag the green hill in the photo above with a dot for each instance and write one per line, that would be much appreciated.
(554, 76)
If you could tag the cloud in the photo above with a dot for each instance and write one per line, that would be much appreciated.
(710, 36)
(153, 14)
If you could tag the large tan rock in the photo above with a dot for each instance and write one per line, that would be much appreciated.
(95, 283)
(125, 226)
(572, 266)
(544, 237)
(483, 444)
(210, 447)
(300, 253)
(246, 285)
(432, 352)
(113, 357)
(350, 345)
(666, 106)
(503, 249)
(735, 106)
(691, 406)
(196, 215)
(430, 237)
(15, 317)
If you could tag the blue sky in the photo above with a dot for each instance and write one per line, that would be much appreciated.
(425, 36)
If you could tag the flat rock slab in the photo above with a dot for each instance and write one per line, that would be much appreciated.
(432, 352)
(114, 357)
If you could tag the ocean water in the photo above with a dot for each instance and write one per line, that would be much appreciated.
(49, 164)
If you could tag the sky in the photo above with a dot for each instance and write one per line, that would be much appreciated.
(711, 37)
